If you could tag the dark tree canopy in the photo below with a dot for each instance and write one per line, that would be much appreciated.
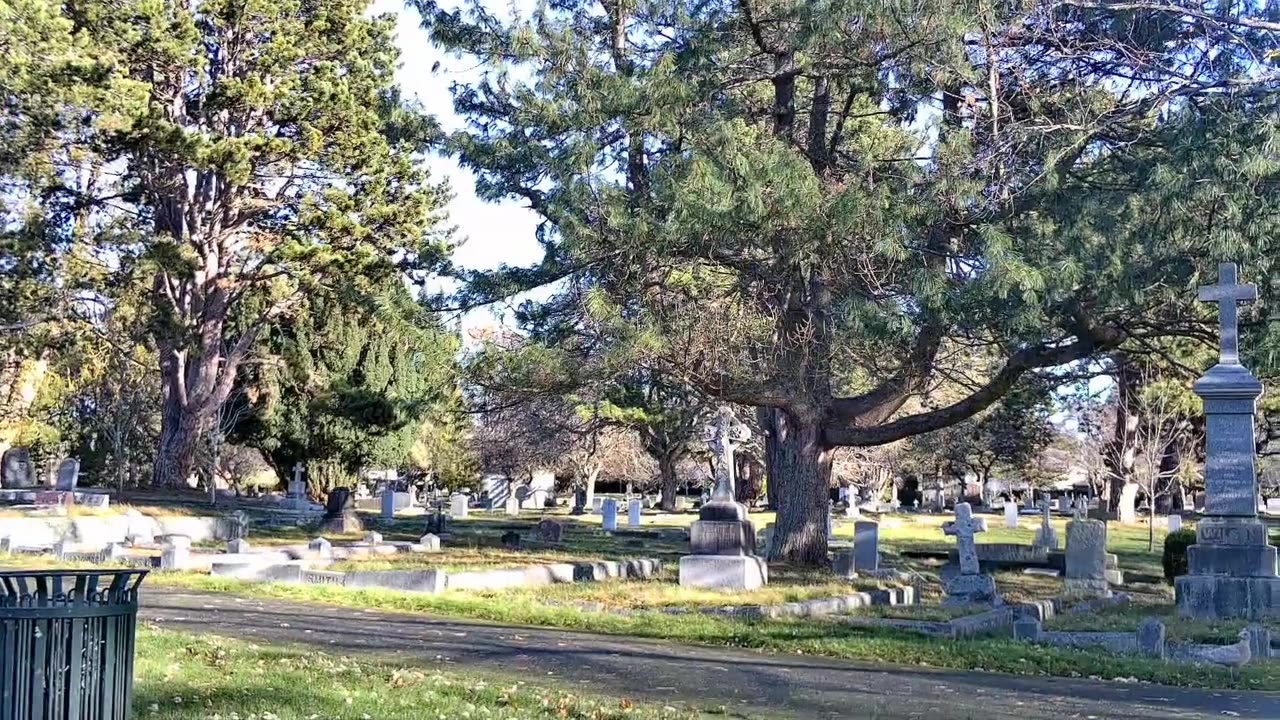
(829, 209)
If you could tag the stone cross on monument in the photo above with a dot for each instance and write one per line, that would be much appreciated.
(970, 586)
(297, 489)
(965, 528)
(1046, 536)
(723, 540)
(726, 436)
(1231, 570)
(1227, 293)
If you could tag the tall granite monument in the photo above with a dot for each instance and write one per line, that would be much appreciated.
(723, 540)
(1231, 570)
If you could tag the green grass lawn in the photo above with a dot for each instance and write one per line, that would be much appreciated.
(808, 637)
(183, 677)
(475, 542)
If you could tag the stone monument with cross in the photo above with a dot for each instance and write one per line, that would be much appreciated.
(723, 541)
(1231, 570)
(970, 586)
(1046, 536)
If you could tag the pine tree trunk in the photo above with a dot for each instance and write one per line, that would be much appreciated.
(800, 466)
(765, 417)
(670, 483)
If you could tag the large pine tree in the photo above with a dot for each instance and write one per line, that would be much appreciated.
(825, 209)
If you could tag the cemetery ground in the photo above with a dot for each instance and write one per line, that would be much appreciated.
(180, 676)
(660, 609)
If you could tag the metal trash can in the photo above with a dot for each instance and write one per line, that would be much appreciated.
(66, 643)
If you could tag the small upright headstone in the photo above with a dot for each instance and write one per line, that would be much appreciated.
(321, 547)
(176, 554)
(430, 542)
(550, 530)
(866, 546)
(845, 564)
(68, 474)
(438, 522)
(388, 504)
(1151, 638)
(238, 546)
(1010, 514)
(458, 506)
(373, 538)
(512, 505)
(1046, 536)
(634, 509)
(16, 470)
(1086, 559)
(609, 515)
(970, 586)
(1175, 523)
(239, 525)
(831, 529)
(340, 513)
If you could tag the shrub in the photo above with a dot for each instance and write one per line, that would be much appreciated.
(1175, 553)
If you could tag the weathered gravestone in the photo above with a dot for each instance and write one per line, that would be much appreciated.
(1010, 514)
(16, 470)
(970, 586)
(340, 513)
(866, 546)
(1086, 561)
(1231, 570)
(579, 502)
(1046, 536)
(238, 546)
(388, 504)
(1175, 523)
(438, 522)
(634, 509)
(321, 547)
(68, 474)
(430, 542)
(550, 531)
(723, 540)
(459, 506)
(176, 553)
(512, 505)
(609, 515)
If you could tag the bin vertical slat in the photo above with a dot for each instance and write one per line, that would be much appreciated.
(67, 644)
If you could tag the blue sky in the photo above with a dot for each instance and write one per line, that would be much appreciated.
(493, 233)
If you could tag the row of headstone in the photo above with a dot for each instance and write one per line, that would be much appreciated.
(17, 472)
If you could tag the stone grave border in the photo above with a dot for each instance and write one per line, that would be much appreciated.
(435, 580)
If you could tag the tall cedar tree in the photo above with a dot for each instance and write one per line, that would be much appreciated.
(827, 209)
(256, 148)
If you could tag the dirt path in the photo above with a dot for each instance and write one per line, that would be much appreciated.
(749, 684)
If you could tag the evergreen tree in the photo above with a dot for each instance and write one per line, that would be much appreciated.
(824, 209)
(231, 149)
(341, 387)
